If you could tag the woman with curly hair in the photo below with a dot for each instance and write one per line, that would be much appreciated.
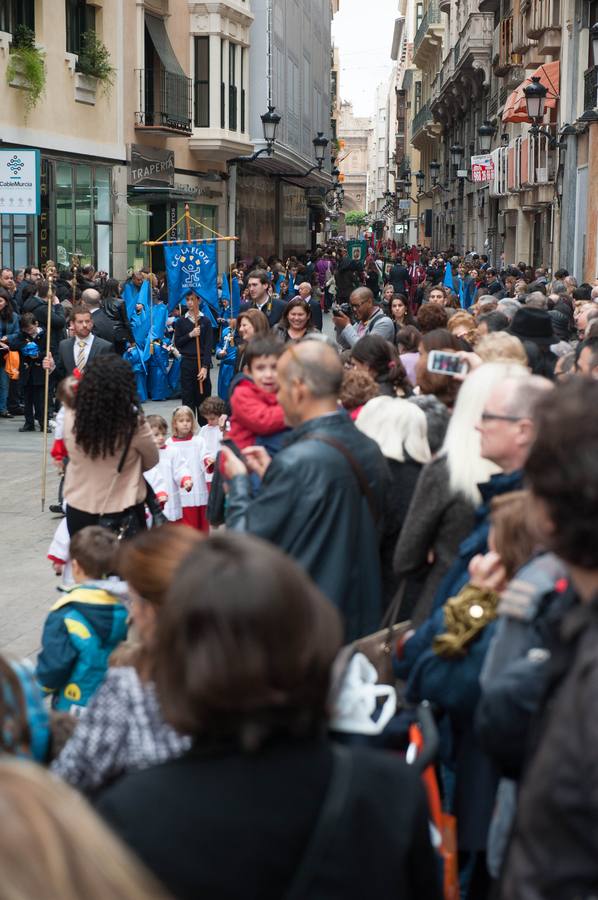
(109, 445)
(373, 354)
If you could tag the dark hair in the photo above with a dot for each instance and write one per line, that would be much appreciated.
(80, 309)
(408, 337)
(383, 358)
(26, 319)
(262, 346)
(95, 550)
(444, 387)
(430, 317)
(562, 468)
(249, 656)
(583, 292)
(159, 422)
(357, 388)
(296, 301)
(541, 360)
(592, 343)
(495, 321)
(105, 406)
(561, 273)
(30, 290)
(261, 274)
(111, 288)
(7, 311)
(437, 418)
(212, 406)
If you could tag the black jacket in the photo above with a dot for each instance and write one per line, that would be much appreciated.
(553, 853)
(346, 278)
(311, 506)
(115, 310)
(400, 279)
(31, 372)
(273, 310)
(103, 326)
(39, 308)
(66, 354)
(236, 825)
(187, 346)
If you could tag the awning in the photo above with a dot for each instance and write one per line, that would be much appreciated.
(161, 42)
(516, 109)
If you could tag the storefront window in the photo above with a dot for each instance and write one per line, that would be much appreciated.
(64, 214)
(83, 214)
(207, 215)
(17, 241)
(138, 231)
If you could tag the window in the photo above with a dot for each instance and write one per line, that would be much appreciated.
(222, 87)
(79, 18)
(83, 213)
(202, 82)
(418, 97)
(419, 14)
(232, 87)
(243, 53)
(16, 12)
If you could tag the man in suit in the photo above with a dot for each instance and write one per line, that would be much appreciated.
(76, 352)
(103, 326)
(258, 284)
(316, 310)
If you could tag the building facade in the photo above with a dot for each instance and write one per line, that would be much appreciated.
(354, 133)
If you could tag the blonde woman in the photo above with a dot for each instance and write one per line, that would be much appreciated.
(54, 847)
(442, 510)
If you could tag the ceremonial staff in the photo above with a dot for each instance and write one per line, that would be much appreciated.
(47, 390)
(75, 260)
(197, 348)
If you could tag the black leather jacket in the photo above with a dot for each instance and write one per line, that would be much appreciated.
(311, 506)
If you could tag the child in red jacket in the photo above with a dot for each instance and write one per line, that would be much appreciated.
(255, 410)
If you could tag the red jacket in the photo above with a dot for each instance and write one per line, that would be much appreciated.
(254, 412)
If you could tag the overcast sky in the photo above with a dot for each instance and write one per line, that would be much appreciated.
(364, 39)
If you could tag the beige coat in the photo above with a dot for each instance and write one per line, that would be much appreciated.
(87, 481)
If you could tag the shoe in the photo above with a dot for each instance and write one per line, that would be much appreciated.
(6, 415)
(27, 428)
(56, 509)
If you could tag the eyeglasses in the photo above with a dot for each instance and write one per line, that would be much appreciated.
(489, 417)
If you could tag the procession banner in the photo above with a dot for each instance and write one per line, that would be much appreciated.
(191, 267)
(357, 250)
(138, 319)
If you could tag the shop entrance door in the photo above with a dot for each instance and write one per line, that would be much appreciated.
(158, 225)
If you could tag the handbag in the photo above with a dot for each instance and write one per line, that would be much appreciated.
(124, 524)
(12, 364)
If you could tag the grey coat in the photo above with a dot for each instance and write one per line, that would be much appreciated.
(438, 520)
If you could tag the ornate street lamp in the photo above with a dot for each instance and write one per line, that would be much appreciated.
(320, 143)
(485, 135)
(456, 152)
(434, 173)
(535, 99)
(270, 122)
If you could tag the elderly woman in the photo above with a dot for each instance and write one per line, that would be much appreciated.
(264, 805)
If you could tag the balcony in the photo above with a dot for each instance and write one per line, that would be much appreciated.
(164, 102)
(475, 45)
(420, 120)
(423, 128)
(428, 36)
(542, 15)
(590, 89)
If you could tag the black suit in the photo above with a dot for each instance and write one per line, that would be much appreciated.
(273, 310)
(103, 326)
(316, 312)
(66, 354)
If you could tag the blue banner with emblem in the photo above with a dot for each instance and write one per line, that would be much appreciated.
(191, 267)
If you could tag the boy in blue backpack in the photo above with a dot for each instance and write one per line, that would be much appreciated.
(85, 625)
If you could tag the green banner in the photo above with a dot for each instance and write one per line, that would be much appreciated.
(357, 250)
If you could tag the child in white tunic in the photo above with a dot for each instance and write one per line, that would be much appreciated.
(189, 451)
(170, 474)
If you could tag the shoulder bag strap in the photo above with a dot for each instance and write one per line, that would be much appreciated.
(357, 470)
(326, 827)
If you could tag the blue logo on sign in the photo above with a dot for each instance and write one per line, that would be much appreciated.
(15, 165)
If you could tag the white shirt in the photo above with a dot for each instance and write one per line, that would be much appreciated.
(88, 341)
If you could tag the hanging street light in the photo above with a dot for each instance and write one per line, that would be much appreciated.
(485, 135)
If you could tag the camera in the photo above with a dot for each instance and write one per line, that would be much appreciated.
(342, 309)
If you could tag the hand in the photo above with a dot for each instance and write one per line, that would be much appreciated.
(139, 307)
(258, 459)
(223, 419)
(203, 374)
(341, 321)
(58, 568)
(231, 464)
(473, 362)
(487, 572)
(48, 362)
(209, 462)
(195, 332)
(187, 484)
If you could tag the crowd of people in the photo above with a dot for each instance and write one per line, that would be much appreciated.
(407, 440)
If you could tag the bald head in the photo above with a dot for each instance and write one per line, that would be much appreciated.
(314, 364)
(91, 298)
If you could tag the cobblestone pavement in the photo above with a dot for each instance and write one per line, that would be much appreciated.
(27, 581)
